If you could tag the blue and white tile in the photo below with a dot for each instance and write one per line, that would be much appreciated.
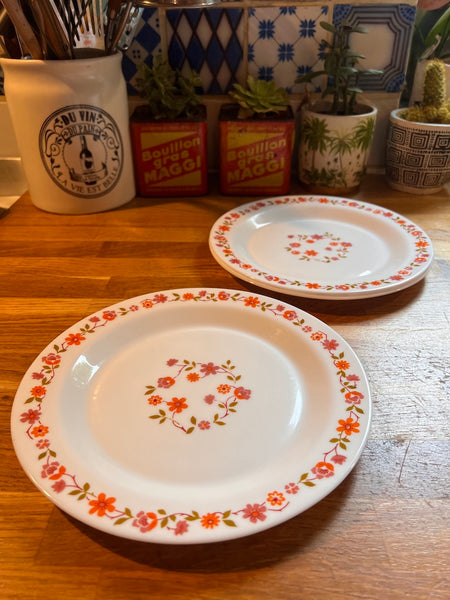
(145, 45)
(284, 42)
(209, 41)
(386, 45)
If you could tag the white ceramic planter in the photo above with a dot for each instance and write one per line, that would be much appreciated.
(334, 149)
(417, 155)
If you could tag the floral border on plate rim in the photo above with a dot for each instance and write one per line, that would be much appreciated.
(103, 505)
(229, 220)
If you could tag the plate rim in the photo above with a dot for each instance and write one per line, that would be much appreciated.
(292, 314)
(300, 289)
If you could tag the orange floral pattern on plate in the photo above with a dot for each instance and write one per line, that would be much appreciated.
(222, 242)
(224, 397)
(103, 505)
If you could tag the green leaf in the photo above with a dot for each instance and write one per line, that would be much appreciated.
(229, 523)
(120, 521)
(190, 430)
(74, 492)
(308, 483)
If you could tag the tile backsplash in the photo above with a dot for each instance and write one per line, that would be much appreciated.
(275, 41)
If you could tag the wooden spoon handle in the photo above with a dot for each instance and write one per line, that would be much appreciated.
(24, 30)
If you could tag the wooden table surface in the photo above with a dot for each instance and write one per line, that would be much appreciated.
(382, 534)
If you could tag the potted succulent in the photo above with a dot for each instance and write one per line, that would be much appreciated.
(256, 140)
(431, 39)
(169, 133)
(336, 134)
(418, 138)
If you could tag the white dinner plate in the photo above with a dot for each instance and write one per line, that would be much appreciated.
(190, 416)
(321, 247)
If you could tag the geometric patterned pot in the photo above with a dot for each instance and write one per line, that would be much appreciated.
(417, 155)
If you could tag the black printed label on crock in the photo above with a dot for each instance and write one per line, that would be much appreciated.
(82, 150)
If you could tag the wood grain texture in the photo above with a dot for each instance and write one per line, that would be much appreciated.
(383, 533)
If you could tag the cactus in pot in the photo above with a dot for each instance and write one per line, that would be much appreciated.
(435, 106)
(418, 139)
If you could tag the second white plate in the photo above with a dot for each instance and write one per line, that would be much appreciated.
(321, 247)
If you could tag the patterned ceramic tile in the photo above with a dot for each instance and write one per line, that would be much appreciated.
(209, 41)
(386, 46)
(284, 42)
(146, 43)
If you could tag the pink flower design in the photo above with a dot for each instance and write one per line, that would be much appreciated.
(145, 521)
(171, 362)
(209, 368)
(291, 488)
(42, 444)
(323, 469)
(204, 425)
(242, 393)
(51, 359)
(30, 417)
(59, 486)
(353, 397)
(181, 527)
(330, 344)
(352, 377)
(50, 469)
(255, 512)
(339, 459)
(209, 399)
(160, 298)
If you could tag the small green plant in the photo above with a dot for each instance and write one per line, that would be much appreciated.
(435, 106)
(341, 67)
(168, 93)
(259, 98)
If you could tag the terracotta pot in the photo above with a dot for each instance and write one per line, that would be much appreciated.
(334, 149)
(417, 155)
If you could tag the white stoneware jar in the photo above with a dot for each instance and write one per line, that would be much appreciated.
(71, 121)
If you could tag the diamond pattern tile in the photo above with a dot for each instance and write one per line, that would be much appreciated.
(146, 43)
(209, 41)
